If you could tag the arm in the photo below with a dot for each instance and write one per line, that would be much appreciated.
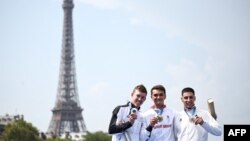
(212, 126)
(175, 124)
(145, 130)
(147, 127)
(114, 127)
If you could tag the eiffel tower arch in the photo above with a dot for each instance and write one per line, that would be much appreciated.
(67, 113)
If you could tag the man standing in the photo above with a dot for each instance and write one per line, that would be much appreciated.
(194, 124)
(126, 120)
(159, 119)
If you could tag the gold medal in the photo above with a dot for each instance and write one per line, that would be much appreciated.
(160, 118)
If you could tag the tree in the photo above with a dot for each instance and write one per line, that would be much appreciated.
(57, 139)
(97, 136)
(20, 131)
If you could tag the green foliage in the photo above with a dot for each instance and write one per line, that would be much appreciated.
(57, 139)
(20, 131)
(97, 136)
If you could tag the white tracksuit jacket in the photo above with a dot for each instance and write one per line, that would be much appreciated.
(187, 131)
(162, 131)
(119, 124)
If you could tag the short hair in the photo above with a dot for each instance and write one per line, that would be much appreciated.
(187, 89)
(158, 87)
(140, 88)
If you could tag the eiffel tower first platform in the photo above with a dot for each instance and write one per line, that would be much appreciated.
(67, 113)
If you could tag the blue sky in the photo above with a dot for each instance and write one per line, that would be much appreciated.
(122, 43)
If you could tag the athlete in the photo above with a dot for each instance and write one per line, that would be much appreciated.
(126, 120)
(159, 119)
(194, 124)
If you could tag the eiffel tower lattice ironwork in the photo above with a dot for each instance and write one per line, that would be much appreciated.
(67, 113)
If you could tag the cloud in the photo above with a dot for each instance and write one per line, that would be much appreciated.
(186, 72)
(135, 21)
(212, 27)
(99, 88)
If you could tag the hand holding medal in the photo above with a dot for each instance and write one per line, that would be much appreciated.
(133, 115)
(198, 120)
(158, 116)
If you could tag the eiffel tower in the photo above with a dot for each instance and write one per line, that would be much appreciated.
(67, 113)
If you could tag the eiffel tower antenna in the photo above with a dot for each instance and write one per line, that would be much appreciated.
(67, 113)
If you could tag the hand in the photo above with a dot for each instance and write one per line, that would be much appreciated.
(132, 117)
(198, 120)
(153, 121)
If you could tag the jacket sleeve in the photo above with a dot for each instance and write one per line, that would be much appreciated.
(115, 127)
(145, 130)
(212, 126)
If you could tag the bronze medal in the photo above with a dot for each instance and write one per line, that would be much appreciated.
(191, 119)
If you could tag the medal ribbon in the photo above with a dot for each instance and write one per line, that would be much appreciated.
(192, 114)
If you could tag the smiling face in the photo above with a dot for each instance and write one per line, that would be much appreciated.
(138, 98)
(188, 99)
(158, 97)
